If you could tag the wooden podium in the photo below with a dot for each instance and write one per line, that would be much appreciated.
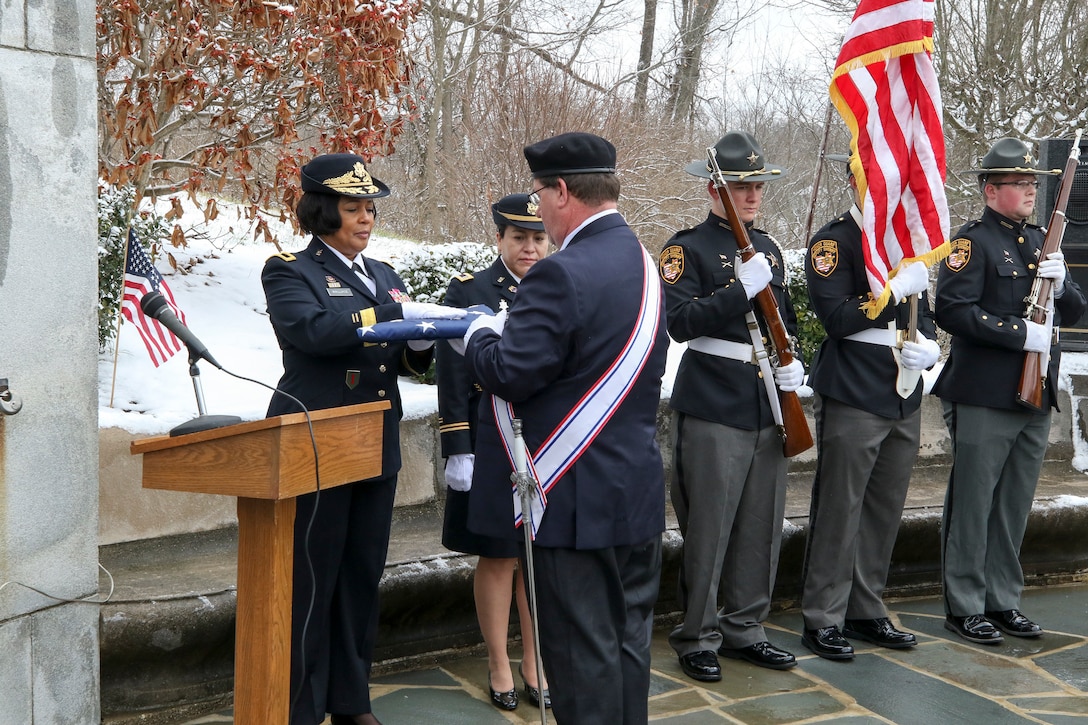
(266, 463)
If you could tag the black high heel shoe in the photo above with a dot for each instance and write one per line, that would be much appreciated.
(503, 700)
(534, 693)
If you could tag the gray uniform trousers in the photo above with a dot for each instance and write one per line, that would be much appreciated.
(729, 493)
(862, 475)
(996, 458)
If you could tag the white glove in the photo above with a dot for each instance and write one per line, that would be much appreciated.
(483, 322)
(1053, 267)
(459, 471)
(909, 280)
(1038, 338)
(420, 345)
(755, 274)
(920, 355)
(788, 378)
(430, 311)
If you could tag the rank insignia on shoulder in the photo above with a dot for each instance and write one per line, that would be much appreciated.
(960, 255)
(285, 256)
(466, 277)
(825, 257)
(671, 263)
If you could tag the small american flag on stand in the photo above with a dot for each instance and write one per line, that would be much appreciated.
(141, 277)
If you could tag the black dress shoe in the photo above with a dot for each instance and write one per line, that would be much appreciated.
(534, 693)
(880, 632)
(763, 654)
(1013, 621)
(701, 665)
(973, 628)
(507, 700)
(828, 642)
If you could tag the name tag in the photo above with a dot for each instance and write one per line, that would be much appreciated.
(339, 291)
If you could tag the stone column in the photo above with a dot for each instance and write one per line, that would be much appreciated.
(48, 353)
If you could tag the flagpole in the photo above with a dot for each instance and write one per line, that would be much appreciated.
(818, 174)
(120, 304)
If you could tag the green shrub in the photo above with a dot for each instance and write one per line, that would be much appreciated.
(810, 333)
(427, 271)
(114, 208)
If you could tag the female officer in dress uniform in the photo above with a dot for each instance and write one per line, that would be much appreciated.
(521, 241)
(317, 300)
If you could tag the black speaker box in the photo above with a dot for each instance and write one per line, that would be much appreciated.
(1053, 154)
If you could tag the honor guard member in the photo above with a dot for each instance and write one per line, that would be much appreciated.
(318, 298)
(580, 361)
(521, 242)
(997, 444)
(729, 472)
(867, 437)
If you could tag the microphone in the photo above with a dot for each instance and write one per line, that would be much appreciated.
(154, 305)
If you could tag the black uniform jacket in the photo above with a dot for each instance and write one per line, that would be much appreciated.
(980, 302)
(859, 374)
(574, 312)
(705, 298)
(316, 305)
(459, 395)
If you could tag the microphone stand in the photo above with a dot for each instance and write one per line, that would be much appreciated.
(203, 421)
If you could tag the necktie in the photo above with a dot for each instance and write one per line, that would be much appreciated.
(358, 269)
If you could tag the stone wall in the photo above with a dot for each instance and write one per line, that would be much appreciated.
(48, 350)
(130, 513)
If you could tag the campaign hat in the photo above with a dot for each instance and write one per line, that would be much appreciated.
(571, 153)
(516, 209)
(740, 157)
(1011, 156)
(342, 175)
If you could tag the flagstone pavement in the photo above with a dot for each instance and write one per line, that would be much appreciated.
(944, 680)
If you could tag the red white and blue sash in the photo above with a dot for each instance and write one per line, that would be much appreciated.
(576, 432)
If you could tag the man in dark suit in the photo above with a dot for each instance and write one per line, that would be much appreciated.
(580, 360)
(318, 299)
(867, 433)
(997, 444)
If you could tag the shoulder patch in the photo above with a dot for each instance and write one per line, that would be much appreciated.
(825, 256)
(285, 256)
(960, 255)
(464, 277)
(670, 263)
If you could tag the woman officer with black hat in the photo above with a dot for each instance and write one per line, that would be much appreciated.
(318, 298)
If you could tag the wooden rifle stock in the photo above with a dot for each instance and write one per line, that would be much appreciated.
(1029, 392)
(796, 436)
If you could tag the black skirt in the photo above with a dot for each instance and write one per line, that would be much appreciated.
(457, 537)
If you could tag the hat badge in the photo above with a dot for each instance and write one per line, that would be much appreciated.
(1028, 158)
(753, 159)
(356, 181)
(532, 209)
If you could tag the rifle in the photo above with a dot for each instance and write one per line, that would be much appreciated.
(793, 427)
(1040, 301)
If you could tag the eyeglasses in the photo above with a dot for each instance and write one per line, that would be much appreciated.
(1022, 185)
(534, 195)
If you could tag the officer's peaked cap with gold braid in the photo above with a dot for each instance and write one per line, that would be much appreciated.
(342, 175)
